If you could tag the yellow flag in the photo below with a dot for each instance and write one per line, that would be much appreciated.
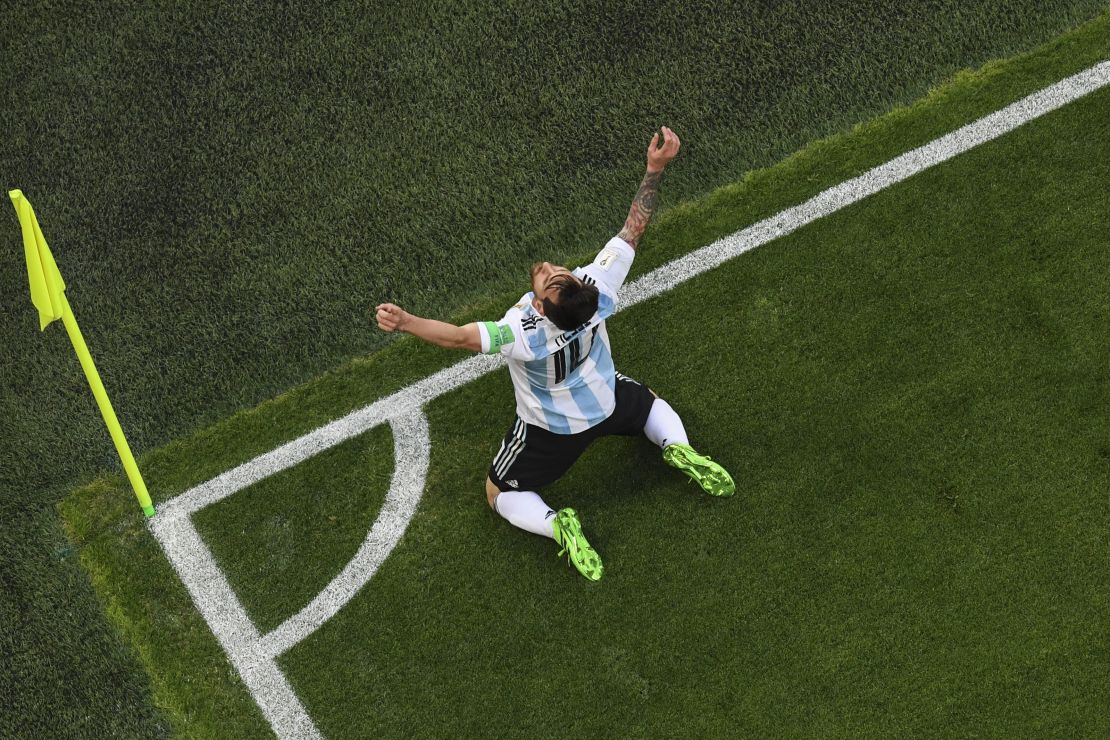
(46, 282)
(48, 295)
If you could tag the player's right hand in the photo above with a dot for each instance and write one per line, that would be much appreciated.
(391, 317)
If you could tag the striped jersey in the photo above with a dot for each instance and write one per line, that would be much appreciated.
(564, 381)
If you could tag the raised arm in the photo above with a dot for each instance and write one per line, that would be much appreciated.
(395, 318)
(643, 205)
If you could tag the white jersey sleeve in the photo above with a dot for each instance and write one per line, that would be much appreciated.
(610, 268)
(518, 335)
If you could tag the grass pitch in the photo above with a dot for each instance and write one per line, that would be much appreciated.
(911, 394)
(227, 189)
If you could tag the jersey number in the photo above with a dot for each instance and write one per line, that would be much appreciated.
(566, 360)
(570, 357)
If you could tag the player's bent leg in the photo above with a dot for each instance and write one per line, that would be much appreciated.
(664, 428)
(524, 509)
(531, 457)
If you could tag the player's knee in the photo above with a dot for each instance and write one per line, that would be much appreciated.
(491, 493)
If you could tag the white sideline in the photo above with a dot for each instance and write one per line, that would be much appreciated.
(255, 656)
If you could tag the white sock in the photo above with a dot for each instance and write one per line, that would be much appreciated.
(525, 509)
(663, 425)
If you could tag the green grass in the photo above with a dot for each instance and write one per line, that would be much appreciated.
(276, 525)
(227, 191)
(911, 394)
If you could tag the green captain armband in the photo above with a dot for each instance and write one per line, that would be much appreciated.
(499, 336)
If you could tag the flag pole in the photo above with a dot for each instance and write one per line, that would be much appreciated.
(106, 409)
(48, 295)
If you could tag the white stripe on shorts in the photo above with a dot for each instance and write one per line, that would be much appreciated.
(507, 449)
(500, 452)
(622, 376)
(516, 449)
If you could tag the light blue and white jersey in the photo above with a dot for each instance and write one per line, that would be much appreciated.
(564, 381)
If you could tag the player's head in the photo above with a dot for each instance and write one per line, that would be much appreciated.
(562, 297)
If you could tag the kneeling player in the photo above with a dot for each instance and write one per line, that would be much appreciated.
(568, 392)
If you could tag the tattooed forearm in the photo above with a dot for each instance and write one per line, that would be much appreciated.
(643, 205)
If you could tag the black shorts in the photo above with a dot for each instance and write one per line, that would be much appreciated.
(532, 457)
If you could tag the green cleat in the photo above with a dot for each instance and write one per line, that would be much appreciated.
(568, 535)
(712, 478)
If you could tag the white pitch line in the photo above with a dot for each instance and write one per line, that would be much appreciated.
(411, 398)
(254, 656)
(411, 445)
(229, 622)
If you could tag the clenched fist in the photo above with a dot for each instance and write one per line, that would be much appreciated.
(658, 156)
(391, 317)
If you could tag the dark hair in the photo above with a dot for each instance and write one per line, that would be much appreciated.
(577, 302)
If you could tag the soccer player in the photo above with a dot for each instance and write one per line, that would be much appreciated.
(568, 392)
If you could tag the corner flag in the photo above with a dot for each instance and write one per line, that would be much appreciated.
(46, 282)
(48, 295)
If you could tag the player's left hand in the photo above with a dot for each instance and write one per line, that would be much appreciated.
(391, 317)
(659, 156)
